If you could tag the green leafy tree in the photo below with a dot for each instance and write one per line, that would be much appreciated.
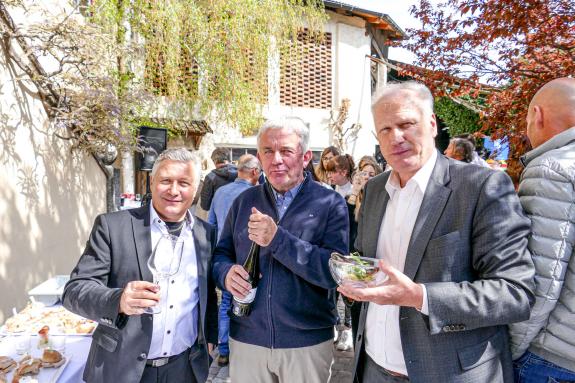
(458, 118)
(115, 63)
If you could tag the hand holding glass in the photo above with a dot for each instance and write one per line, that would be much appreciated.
(165, 263)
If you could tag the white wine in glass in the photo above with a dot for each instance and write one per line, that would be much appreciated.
(164, 263)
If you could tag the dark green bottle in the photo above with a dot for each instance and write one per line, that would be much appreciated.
(241, 307)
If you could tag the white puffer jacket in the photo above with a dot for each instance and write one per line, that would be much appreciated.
(547, 193)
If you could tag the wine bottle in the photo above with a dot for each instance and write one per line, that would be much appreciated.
(242, 306)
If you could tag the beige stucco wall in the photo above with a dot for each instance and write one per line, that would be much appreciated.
(49, 195)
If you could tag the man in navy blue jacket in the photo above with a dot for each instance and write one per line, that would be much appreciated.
(298, 223)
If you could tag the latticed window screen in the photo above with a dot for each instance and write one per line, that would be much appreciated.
(306, 81)
(156, 76)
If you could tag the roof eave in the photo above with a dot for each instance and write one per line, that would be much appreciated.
(399, 33)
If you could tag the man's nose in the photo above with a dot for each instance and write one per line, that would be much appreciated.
(397, 135)
(277, 158)
(174, 188)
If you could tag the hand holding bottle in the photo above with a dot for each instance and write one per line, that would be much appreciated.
(236, 281)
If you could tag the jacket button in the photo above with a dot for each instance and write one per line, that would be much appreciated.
(462, 327)
(452, 327)
(446, 329)
(143, 356)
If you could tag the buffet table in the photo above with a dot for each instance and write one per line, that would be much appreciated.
(37, 327)
(75, 350)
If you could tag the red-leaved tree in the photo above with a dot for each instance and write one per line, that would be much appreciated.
(514, 45)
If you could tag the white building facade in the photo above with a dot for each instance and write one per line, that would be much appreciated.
(353, 38)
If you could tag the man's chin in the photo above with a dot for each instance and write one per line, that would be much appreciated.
(171, 214)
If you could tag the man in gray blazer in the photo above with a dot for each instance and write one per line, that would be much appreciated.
(452, 240)
(112, 285)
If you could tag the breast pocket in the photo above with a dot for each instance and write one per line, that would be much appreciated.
(442, 259)
(447, 240)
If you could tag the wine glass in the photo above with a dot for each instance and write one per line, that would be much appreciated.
(164, 263)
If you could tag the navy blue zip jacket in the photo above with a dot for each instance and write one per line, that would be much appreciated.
(292, 307)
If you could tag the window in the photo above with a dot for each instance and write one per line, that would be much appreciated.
(307, 81)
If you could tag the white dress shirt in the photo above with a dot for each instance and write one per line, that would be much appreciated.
(175, 328)
(382, 336)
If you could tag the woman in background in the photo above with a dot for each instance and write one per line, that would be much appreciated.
(339, 171)
(327, 155)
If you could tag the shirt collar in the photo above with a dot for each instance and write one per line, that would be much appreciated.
(242, 181)
(158, 221)
(291, 193)
(420, 179)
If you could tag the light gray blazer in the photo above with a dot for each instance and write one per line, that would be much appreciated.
(469, 248)
(117, 253)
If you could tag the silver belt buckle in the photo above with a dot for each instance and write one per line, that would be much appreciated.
(160, 362)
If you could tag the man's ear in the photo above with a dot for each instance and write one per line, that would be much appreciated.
(538, 114)
(433, 125)
(307, 156)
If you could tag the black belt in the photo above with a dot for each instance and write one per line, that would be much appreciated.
(159, 362)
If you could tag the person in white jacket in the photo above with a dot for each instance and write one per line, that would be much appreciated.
(543, 347)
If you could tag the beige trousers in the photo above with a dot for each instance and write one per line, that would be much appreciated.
(256, 364)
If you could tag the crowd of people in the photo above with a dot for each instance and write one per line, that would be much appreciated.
(480, 279)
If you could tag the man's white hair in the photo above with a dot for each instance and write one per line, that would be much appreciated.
(295, 124)
(417, 89)
(248, 162)
(182, 155)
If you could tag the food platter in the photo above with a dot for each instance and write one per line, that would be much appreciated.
(44, 374)
(57, 318)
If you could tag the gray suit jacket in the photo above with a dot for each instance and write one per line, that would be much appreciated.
(469, 249)
(116, 254)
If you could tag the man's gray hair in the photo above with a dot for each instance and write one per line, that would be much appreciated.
(419, 90)
(181, 155)
(248, 162)
(295, 124)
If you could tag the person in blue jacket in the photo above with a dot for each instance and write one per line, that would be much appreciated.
(288, 336)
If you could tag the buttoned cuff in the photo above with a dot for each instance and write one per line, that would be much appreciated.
(424, 307)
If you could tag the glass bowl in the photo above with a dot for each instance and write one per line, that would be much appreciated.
(358, 271)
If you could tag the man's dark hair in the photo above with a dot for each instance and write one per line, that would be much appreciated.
(469, 137)
(463, 148)
(220, 156)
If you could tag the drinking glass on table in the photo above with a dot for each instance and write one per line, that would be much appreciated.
(22, 343)
(164, 263)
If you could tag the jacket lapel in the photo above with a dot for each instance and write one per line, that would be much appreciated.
(203, 250)
(143, 240)
(374, 215)
(434, 201)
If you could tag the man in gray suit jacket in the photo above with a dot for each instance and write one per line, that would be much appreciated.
(112, 285)
(452, 238)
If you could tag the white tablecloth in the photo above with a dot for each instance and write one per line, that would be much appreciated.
(76, 350)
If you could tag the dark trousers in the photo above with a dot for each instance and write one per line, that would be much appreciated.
(346, 311)
(177, 370)
(355, 311)
(373, 372)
